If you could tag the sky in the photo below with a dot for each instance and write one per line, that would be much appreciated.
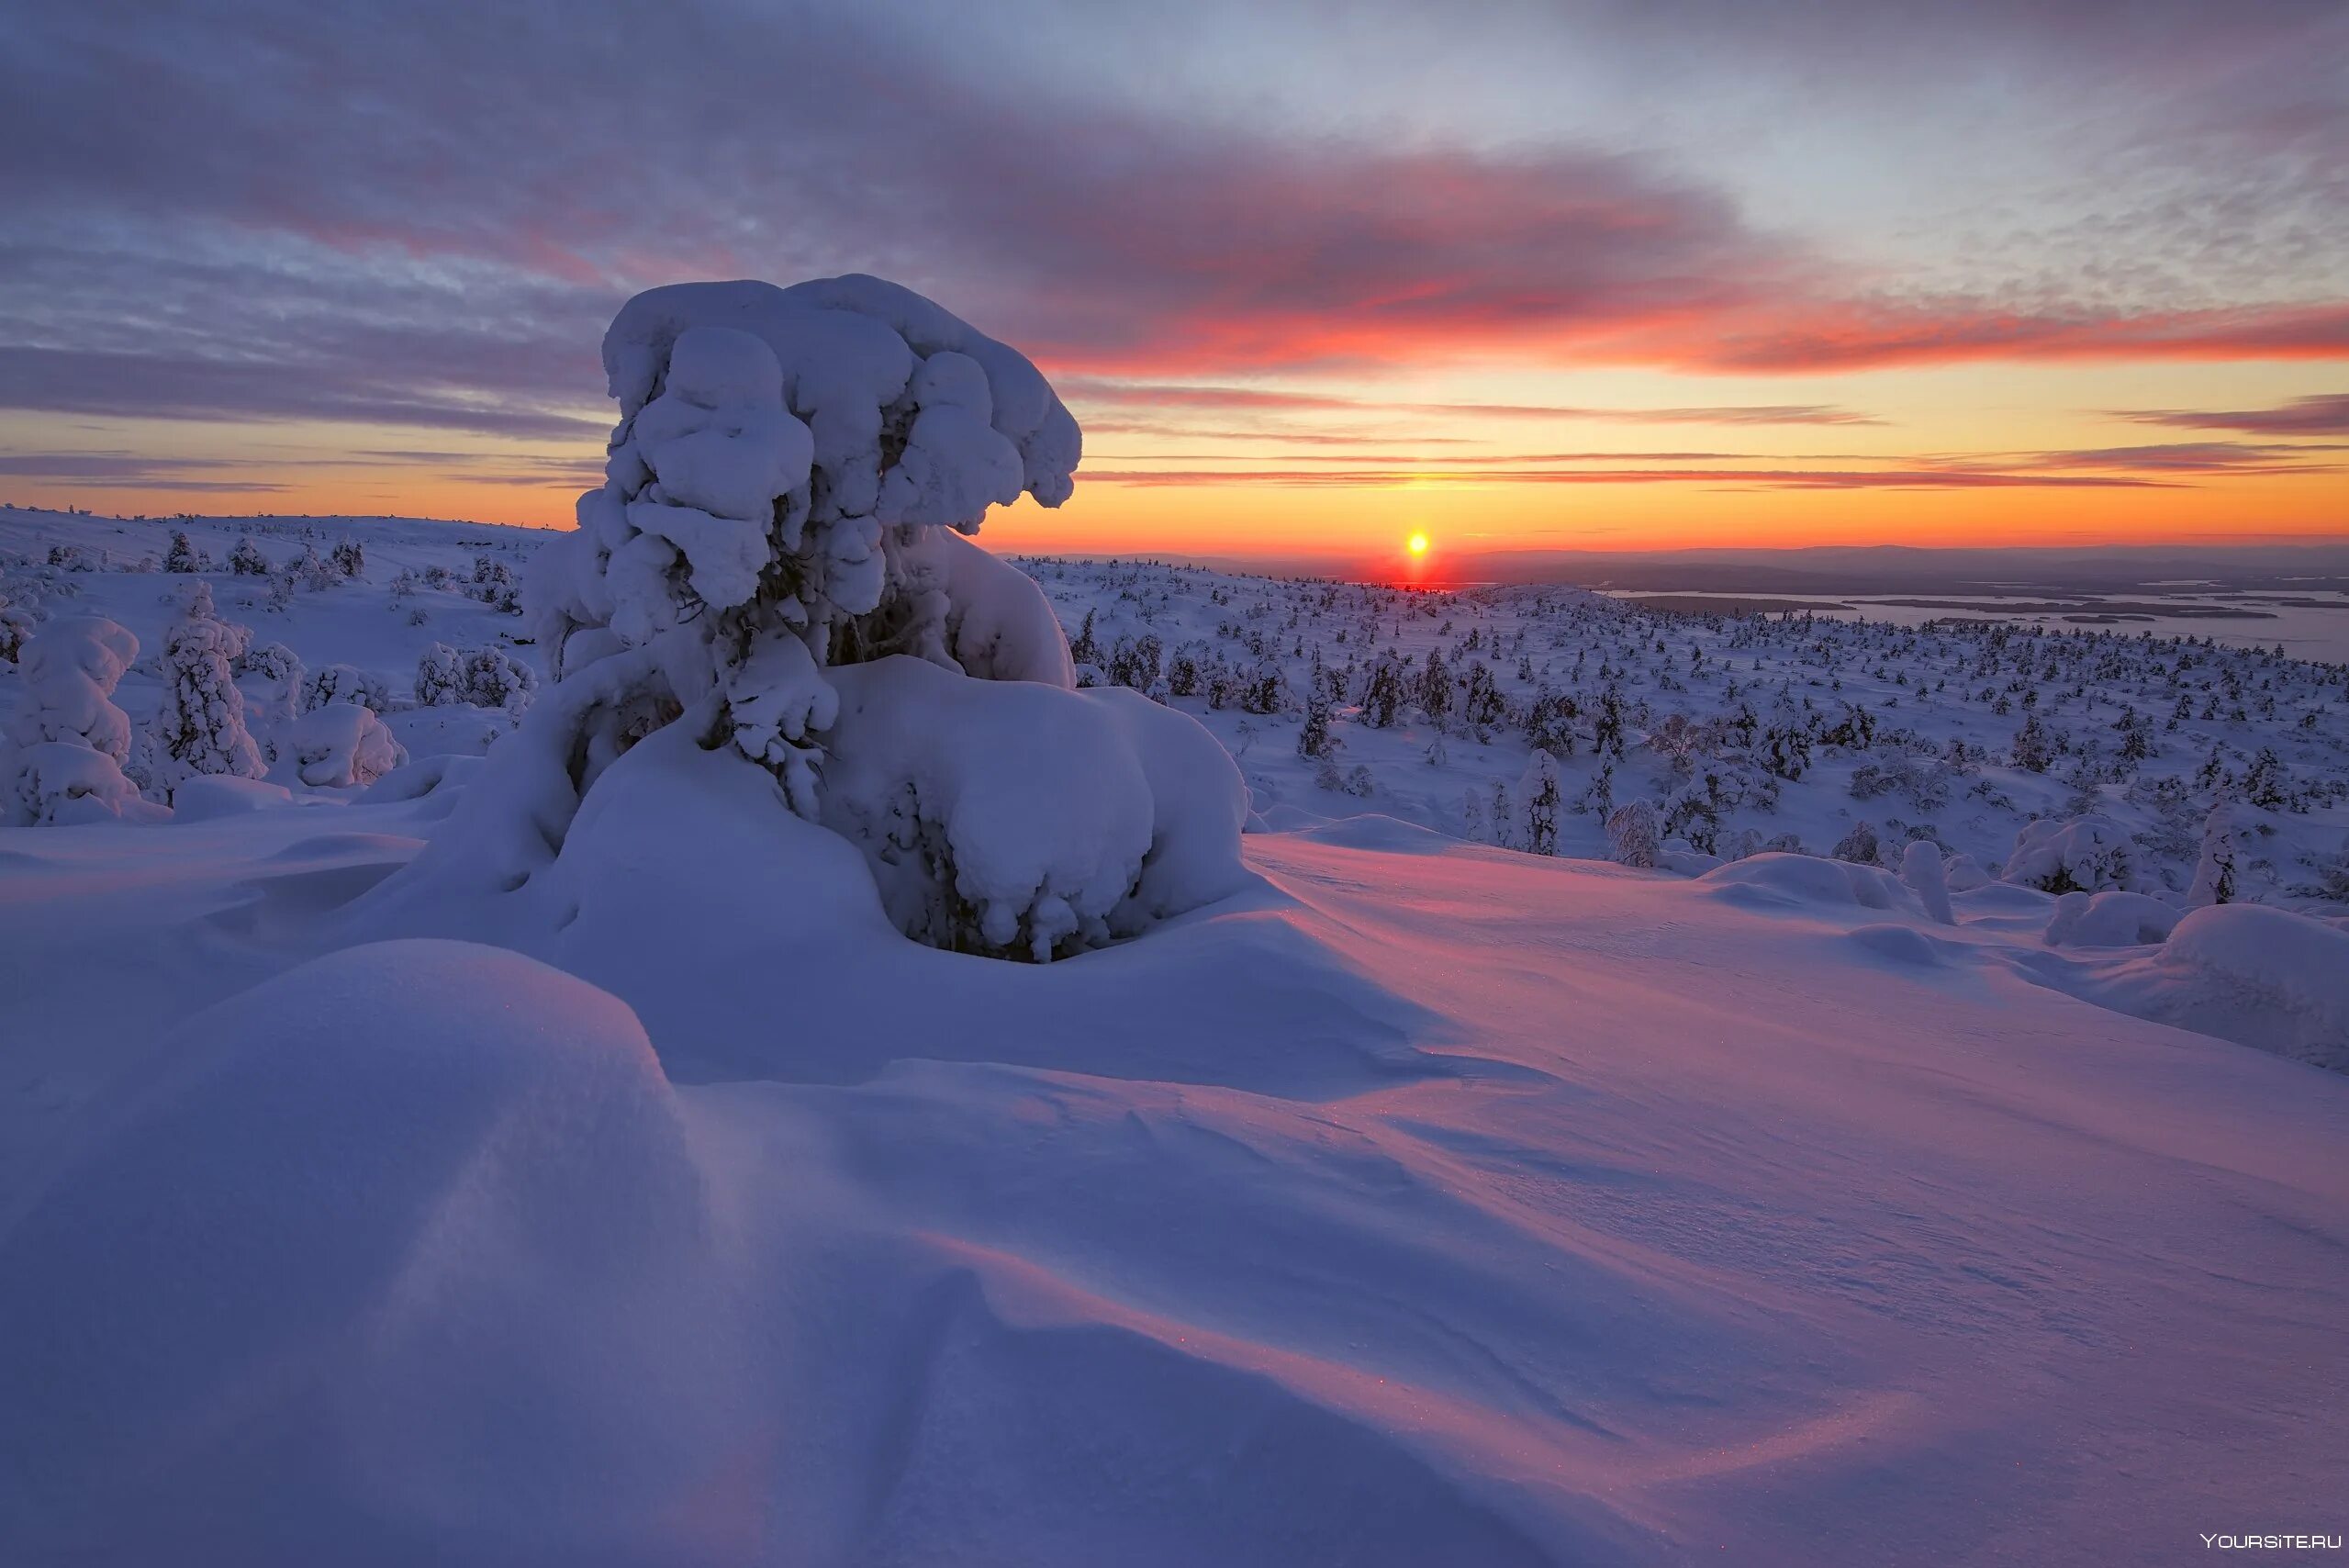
(1622, 273)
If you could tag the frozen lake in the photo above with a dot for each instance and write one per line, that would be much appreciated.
(2311, 625)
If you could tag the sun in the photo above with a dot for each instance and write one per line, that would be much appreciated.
(1416, 544)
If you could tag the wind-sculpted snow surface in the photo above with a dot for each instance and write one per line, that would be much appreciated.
(1400, 1200)
(1611, 1223)
(395, 1248)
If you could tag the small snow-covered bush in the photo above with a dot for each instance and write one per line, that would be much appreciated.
(247, 561)
(482, 677)
(15, 625)
(1860, 845)
(340, 744)
(343, 683)
(2087, 854)
(1018, 818)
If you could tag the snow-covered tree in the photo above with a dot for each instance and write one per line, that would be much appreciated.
(2218, 869)
(349, 557)
(1539, 799)
(200, 728)
(775, 565)
(182, 557)
(1434, 691)
(342, 744)
(67, 741)
(282, 668)
(246, 560)
(1314, 740)
(1632, 836)
(345, 683)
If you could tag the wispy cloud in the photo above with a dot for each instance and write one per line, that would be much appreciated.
(2326, 413)
(1769, 479)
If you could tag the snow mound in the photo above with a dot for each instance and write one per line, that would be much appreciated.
(2085, 854)
(2253, 974)
(1785, 881)
(210, 796)
(1015, 817)
(342, 744)
(2109, 919)
(412, 1232)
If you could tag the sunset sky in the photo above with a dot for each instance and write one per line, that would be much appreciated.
(1629, 274)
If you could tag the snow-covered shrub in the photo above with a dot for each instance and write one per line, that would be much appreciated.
(1860, 845)
(281, 668)
(67, 741)
(349, 557)
(339, 744)
(200, 728)
(440, 677)
(345, 683)
(2085, 854)
(1014, 818)
(15, 625)
(247, 561)
(1923, 781)
(56, 783)
(482, 677)
(1632, 838)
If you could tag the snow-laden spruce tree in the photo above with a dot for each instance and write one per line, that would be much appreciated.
(200, 728)
(775, 561)
(67, 742)
(1539, 797)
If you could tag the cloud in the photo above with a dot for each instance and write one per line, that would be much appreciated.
(1828, 337)
(2326, 413)
(130, 471)
(2195, 457)
(1767, 478)
(1087, 390)
(423, 216)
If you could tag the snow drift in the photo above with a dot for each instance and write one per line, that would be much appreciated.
(360, 1239)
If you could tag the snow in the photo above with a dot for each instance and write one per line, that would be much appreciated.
(340, 744)
(563, 1156)
(1014, 816)
(360, 1244)
(2265, 977)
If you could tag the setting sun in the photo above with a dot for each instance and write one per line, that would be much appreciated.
(1416, 544)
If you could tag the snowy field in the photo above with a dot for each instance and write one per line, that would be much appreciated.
(1854, 1093)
